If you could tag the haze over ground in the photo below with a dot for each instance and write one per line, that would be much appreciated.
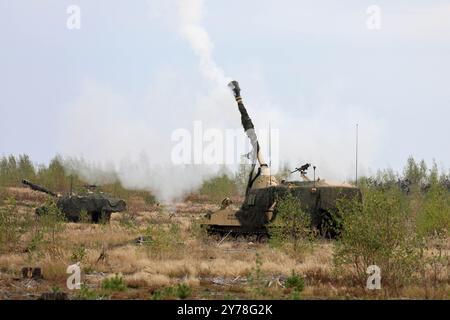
(114, 91)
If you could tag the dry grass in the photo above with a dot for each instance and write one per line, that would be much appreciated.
(109, 249)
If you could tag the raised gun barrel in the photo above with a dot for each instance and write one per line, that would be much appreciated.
(38, 188)
(249, 129)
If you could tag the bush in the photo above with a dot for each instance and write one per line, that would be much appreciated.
(85, 217)
(51, 220)
(295, 282)
(379, 231)
(128, 220)
(161, 239)
(12, 225)
(218, 188)
(54, 176)
(291, 225)
(78, 254)
(47, 228)
(257, 284)
(3, 196)
(86, 294)
(115, 283)
(183, 290)
(199, 231)
(166, 293)
(434, 216)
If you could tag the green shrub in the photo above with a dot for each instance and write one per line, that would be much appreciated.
(295, 295)
(291, 225)
(157, 295)
(12, 225)
(295, 282)
(183, 291)
(86, 294)
(228, 296)
(115, 283)
(47, 228)
(257, 284)
(149, 198)
(128, 220)
(2, 195)
(199, 231)
(163, 240)
(434, 216)
(78, 254)
(51, 220)
(36, 240)
(54, 176)
(218, 188)
(84, 216)
(379, 231)
(165, 293)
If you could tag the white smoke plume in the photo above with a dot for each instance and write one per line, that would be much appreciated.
(131, 137)
(191, 13)
(102, 133)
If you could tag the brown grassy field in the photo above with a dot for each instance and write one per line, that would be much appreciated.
(183, 255)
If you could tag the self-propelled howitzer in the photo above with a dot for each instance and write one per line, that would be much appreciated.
(250, 220)
(97, 205)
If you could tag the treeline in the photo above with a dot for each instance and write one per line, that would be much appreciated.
(416, 176)
(57, 178)
(401, 227)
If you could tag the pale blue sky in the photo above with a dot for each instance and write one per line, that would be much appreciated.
(311, 60)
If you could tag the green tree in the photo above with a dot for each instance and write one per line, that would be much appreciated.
(218, 187)
(26, 168)
(51, 220)
(292, 223)
(415, 173)
(434, 214)
(379, 231)
(12, 225)
(54, 176)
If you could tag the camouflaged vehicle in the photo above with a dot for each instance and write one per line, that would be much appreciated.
(97, 205)
(250, 220)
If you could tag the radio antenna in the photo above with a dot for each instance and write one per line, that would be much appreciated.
(270, 156)
(356, 156)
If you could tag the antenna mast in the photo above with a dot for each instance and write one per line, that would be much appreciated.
(270, 156)
(356, 167)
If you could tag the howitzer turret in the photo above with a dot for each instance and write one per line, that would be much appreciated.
(97, 206)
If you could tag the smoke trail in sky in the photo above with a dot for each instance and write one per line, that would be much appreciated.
(191, 13)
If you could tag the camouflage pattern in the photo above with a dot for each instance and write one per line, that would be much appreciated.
(260, 207)
(98, 206)
(263, 191)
